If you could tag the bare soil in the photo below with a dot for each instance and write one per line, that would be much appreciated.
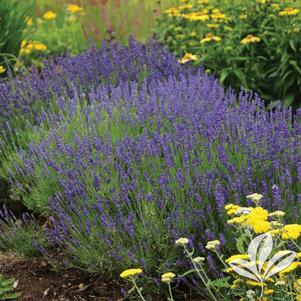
(36, 281)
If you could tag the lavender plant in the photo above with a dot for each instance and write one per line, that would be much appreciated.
(25, 101)
(130, 171)
(21, 235)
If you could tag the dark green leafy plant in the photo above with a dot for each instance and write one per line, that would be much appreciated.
(250, 44)
(13, 17)
(6, 289)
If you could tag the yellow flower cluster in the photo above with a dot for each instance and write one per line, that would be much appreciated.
(168, 277)
(130, 273)
(49, 15)
(27, 48)
(187, 58)
(73, 8)
(289, 11)
(255, 218)
(210, 37)
(249, 39)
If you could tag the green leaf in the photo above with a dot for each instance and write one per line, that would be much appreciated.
(240, 244)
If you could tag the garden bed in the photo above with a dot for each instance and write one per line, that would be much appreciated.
(36, 280)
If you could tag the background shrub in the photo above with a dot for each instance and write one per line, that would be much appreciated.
(13, 16)
(253, 44)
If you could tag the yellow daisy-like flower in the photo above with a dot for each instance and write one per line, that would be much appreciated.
(73, 8)
(248, 40)
(289, 11)
(2, 69)
(40, 47)
(49, 15)
(187, 58)
(210, 38)
(203, 1)
(275, 6)
(292, 231)
(130, 273)
(168, 277)
(218, 16)
(212, 25)
(185, 6)
(238, 256)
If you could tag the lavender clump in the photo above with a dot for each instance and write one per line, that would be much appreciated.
(157, 160)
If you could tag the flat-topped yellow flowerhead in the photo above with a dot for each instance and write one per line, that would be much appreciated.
(182, 241)
(49, 15)
(168, 277)
(130, 273)
(212, 245)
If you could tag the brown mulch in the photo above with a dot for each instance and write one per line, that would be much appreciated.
(36, 281)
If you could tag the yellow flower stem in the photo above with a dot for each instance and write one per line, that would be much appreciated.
(199, 274)
(137, 289)
(221, 259)
(170, 293)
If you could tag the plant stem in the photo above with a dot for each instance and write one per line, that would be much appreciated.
(200, 275)
(170, 292)
(138, 290)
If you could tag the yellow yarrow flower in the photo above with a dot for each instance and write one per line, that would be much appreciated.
(248, 40)
(73, 8)
(212, 245)
(255, 197)
(289, 11)
(2, 69)
(292, 231)
(167, 277)
(49, 15)
(182, 241)
(277, 213)
(130, 273)
(209, 38)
